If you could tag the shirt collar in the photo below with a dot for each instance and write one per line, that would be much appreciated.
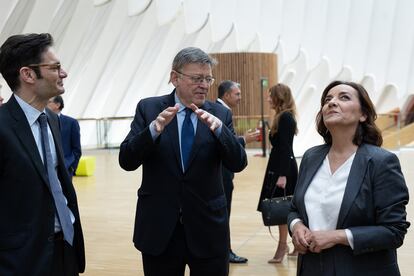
(177, 100)
(32, 114)
(223, 103)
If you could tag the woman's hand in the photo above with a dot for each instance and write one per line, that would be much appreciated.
(300, 235)
(281, 182)
(320, 240)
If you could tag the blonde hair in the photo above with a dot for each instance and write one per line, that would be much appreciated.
(283, 101)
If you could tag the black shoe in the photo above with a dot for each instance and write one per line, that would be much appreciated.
(233, 258)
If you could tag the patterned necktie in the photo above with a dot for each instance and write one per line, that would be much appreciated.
(187, 137)
(63, 211)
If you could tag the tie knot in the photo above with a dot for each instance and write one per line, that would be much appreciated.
(188, 112)
(42, 119)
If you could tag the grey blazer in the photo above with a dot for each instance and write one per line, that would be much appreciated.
(373, 209)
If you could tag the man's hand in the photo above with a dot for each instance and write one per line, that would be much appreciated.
(251, 135)
(165, 117)
(209, 119)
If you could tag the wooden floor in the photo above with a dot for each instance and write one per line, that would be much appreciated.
(107, 205)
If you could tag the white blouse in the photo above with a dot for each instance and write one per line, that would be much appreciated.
(324, 195)
(323, 198)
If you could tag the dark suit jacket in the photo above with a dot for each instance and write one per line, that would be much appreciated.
(165, 189)
(229, 175)
(69, 128)
(27, 212)
(373, 209)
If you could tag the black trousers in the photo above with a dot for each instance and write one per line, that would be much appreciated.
(64, 258)
(173, 260)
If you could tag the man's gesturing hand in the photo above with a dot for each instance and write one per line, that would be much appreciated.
(209, 119)
(165, 117)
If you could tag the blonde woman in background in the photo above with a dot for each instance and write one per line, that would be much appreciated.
(282, 170)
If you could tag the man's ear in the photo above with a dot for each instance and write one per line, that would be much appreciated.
(174, 78)
(27, 75)
(227, 95)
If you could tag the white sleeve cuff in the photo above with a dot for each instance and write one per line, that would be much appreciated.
(154, 133)
(293, 223)
(350, 238)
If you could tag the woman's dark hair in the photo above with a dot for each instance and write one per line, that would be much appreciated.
(19, 51)
(367, 131)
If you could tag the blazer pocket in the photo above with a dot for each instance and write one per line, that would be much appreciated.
(12, 240)
(217, 203)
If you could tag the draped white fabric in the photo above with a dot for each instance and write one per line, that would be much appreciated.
(120, 51)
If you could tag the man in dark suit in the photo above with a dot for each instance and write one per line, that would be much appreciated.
(40, 225)
(181, 140)
(229, 95)
(70, 130)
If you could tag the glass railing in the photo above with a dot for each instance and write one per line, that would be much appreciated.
(104, 132)
(397, 131)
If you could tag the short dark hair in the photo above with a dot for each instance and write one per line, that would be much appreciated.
(59, 100)
(225, 86)
(367, 131)
(22, 50)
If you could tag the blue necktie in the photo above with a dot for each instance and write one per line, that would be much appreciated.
(63, 211)
(187, 137)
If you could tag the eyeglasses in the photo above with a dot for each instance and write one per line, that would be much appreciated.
(53, 66)
(195, 79)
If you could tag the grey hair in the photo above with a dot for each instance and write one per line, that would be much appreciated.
(192, 55)
(225, 86)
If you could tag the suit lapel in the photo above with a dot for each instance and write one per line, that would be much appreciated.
(354, 182)
(201, 133)
(54, 122)
(25, 136)
(172, 128)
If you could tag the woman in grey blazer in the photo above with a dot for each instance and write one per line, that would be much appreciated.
(348, 213)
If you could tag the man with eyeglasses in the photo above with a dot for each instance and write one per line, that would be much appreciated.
(229, 95)
(40, 226)
(181, 140)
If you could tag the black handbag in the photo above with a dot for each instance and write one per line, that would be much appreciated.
(275, 210)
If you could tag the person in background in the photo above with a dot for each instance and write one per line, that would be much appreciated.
(229, 95)
(282, 170)
(182, 140)
(40, 227)
(348, 213)
(70, 130)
